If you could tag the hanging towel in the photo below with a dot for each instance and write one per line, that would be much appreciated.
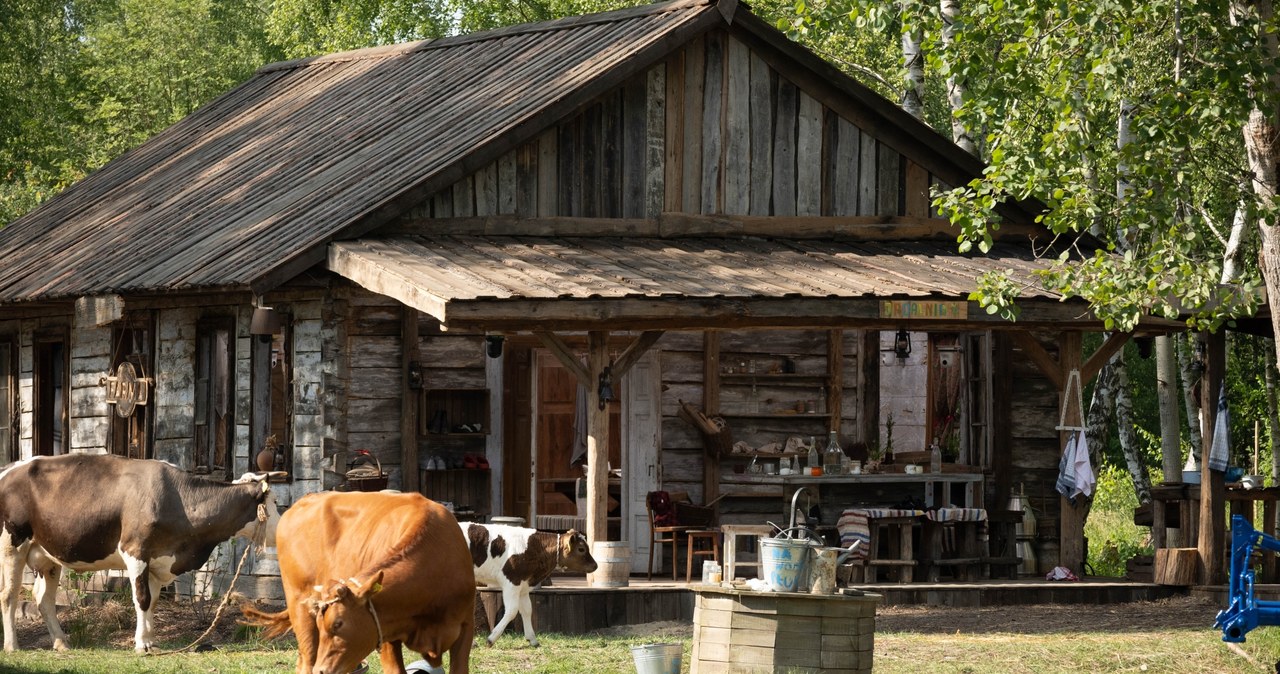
(1218, 454)
(1075, 473)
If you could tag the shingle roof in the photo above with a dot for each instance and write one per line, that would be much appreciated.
(263, 177)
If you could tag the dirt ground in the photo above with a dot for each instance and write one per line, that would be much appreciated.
(113, 622)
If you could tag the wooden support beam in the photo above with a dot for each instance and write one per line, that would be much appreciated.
(835, 378)
(1099, 359)
(1213, 492)
(635, 351)
(711, 403)
(1071, 519)
(408, 401)
(597, 443)
(567, 357)
(1036, 352)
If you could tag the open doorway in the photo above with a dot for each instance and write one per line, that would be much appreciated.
(50, 363)
(560, 443)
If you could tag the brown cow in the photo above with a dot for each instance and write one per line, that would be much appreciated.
(365, 571)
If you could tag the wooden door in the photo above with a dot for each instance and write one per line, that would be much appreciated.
(555, 467)
(517, 428)
(642, 438)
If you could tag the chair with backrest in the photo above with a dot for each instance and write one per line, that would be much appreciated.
(663, 528)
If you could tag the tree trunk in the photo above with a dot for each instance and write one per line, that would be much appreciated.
(955, 88)
(1166, 395)
(1262, 146)
(913, 61)
(1190, 382)
(1125, 428)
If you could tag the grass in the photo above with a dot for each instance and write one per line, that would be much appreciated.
(1185, 651)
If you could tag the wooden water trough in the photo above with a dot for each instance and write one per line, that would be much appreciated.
(741, 631)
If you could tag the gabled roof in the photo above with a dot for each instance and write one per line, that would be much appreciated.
(248, 191)
(264, 176)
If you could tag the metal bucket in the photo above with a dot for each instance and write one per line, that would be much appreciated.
(785, 563)
(657, 658)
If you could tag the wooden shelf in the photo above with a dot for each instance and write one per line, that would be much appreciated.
(458, 406)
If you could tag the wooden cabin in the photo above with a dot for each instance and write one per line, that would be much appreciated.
(445, 252)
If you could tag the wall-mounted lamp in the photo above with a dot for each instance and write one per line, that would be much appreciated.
(605, 391)
(1144, 345)
(493, 345)
(265, 320)
(902, 344)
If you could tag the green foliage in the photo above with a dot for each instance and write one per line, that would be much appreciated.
(1112, 535)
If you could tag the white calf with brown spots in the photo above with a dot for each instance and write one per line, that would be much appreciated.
(516, 559)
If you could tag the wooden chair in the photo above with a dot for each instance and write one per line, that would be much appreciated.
(663, 533)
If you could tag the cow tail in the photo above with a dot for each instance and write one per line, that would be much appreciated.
(273, 624)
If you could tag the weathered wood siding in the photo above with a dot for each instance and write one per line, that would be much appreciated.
(1034, 449)
(759, 410)
(175, 390)
(714, 129)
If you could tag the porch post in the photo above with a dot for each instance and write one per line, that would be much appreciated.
(1213, 492)
(597, 440)
(1071, 518)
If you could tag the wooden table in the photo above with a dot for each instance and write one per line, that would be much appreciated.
(1186, 498)
(938, 489)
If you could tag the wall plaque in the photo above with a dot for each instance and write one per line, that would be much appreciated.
(927, 309)
(125, 389)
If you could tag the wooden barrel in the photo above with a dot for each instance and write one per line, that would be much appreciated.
(613, 563)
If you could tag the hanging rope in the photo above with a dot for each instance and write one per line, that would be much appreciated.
(1073, 380)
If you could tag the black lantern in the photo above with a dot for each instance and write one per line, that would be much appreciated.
(902, 344)
(493, 345)
(605, 391)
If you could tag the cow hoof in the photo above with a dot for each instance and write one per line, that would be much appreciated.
(490, 642)
(534, 644)
(60, 645)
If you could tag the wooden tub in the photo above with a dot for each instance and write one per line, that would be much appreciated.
(742, 632)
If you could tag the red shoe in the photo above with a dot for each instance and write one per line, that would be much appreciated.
(482, 463)
(469, 461)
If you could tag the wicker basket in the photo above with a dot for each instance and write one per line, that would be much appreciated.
(364, 477)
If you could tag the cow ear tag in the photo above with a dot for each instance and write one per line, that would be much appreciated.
(377, 587)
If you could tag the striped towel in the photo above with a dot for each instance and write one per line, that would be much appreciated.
(957, 515)
(853, 526)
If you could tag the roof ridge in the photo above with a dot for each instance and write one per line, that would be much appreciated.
(385, 51)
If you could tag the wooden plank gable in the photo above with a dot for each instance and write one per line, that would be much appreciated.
(714, 129)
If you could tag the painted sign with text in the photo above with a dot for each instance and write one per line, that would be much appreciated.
(924, 309)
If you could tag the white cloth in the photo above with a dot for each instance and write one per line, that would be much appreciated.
(1075, 473)
(1219, 455)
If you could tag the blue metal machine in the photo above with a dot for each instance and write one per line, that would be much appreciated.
(1245, 611)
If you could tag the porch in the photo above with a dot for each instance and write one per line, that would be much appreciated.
(571, 606)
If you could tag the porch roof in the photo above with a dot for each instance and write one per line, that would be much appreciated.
(513, 282)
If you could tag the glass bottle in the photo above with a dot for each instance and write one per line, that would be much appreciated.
(935, 457)
(815, 467)
(831, 458)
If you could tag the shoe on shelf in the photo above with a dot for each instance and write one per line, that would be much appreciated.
(469, 461)
(482, 463)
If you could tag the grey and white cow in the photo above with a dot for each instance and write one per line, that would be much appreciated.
(516, 559)
(90, 512)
